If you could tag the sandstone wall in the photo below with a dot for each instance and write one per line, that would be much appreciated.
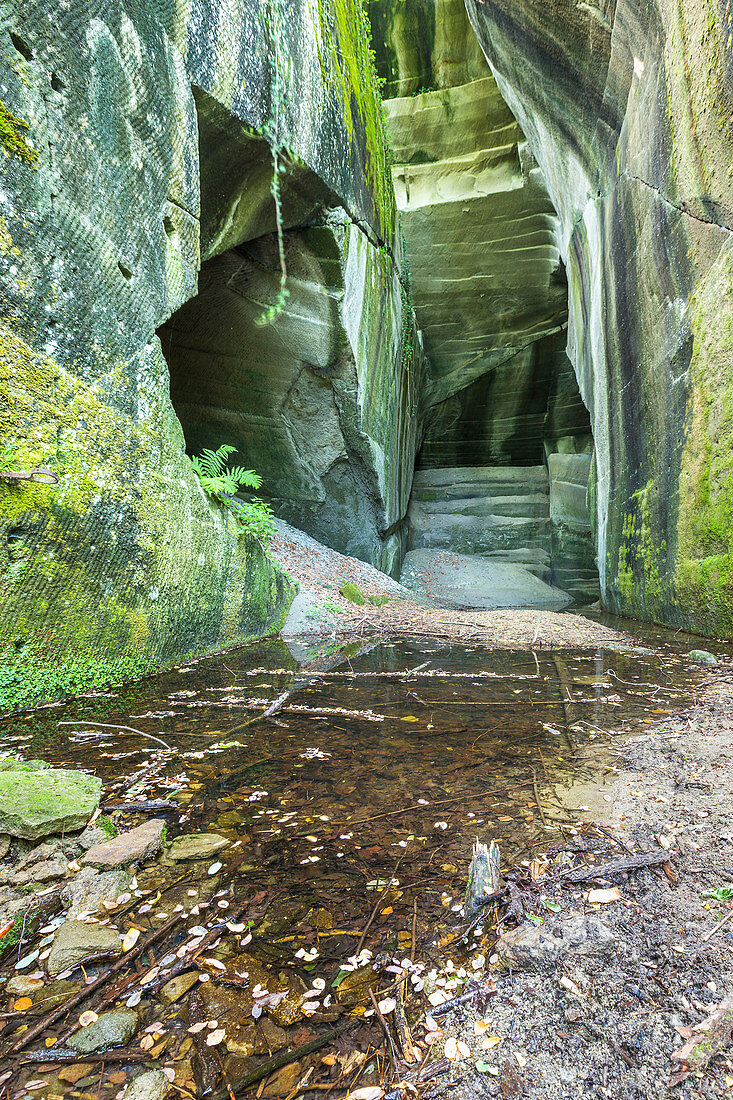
(137, 141)
(627, 108)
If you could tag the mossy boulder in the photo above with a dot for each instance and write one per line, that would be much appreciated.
(352, 592)
(38, 801)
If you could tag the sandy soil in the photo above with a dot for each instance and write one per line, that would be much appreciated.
(602, 1016)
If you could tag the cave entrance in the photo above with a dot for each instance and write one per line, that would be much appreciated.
(503, 473)
(278, 389)
(503, 476)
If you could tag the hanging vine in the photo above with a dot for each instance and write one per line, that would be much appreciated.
(280, 74)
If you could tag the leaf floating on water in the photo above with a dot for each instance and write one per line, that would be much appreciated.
(387, 1005)
(195, 1028)
(27, 960)
(368, 1092)
(215, 868)
(22, 1004)
(131, 938)
(215, 1037)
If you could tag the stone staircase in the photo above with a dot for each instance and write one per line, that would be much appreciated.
(498, 512)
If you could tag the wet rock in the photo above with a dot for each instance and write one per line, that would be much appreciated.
(137, 845)
(236, 1005)
(354, 988)
(48, 850)
(88, 892)
(76, 943)
(702, 657)
(196, 846)
(45, 871)
(151, 1085)
(177, 986)
(273, 1037)
(38, 801)
(51, 996)
(93, 834)
(244, 1042)
(475, 581)
(283, 1081)
(535, 948)
(4, 844)
(21, 986)
(307, 615)
(112, 1029)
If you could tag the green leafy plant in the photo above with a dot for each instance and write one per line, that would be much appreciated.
(108, 826)
(222, 482)
(720, 893)
(219, 480)
(9, 457)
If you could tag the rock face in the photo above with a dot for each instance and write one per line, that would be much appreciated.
(625, 108)
(36, 801)
(321, 406)
(489, 288)
(138, 144)
(112, 1029)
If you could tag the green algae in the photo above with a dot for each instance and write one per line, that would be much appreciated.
(704, 570)
(348, 64)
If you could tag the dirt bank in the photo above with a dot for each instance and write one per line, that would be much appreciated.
(390, 608)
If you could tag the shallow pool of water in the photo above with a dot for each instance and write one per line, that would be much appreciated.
(381, 768)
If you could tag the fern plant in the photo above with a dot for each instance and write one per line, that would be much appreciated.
(222, 482)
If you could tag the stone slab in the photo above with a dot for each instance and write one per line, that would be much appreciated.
(466, 581)
(138, 844)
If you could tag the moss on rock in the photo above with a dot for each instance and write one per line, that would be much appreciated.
(12, 137)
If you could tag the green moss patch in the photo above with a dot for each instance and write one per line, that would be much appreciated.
(12, 137)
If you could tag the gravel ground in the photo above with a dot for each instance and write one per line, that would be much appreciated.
(602, 1014)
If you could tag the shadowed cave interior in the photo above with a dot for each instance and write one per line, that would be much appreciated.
(503, 469)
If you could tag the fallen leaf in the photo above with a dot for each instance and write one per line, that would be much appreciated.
(215, 1037)
(368, 1092)
(387, 1005)
(131, 937)
(603, 897)
(451, 1049)
(22, 1004)
(72, 1074)
(88, 1017)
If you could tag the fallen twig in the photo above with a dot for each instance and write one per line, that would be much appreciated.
(84, 992)
(388, 1034)
(403, 1028)
(110, 726)
(537, 797)
(66, 1054)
